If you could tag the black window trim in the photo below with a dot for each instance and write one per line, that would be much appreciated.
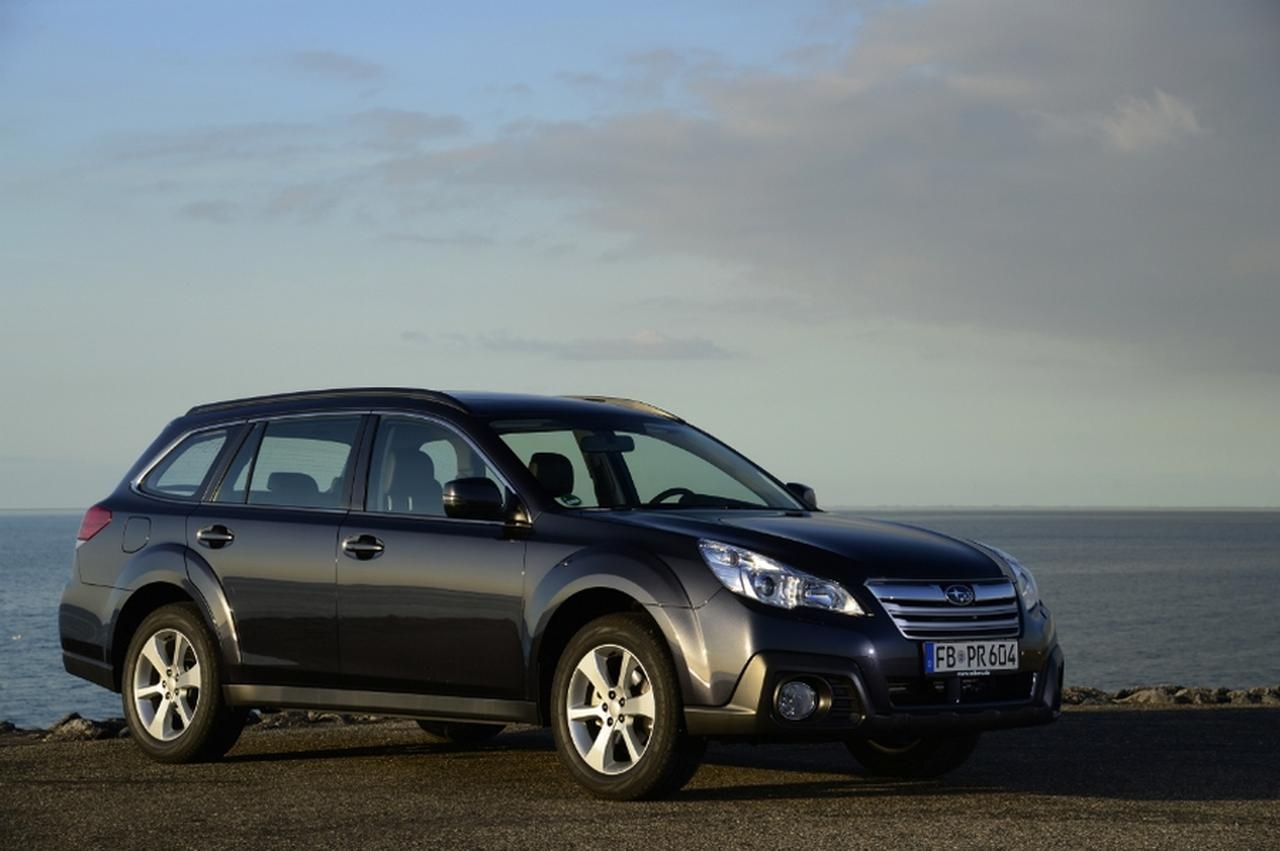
(376, 418)
(252, 432)
(357, 446)
(357, 484)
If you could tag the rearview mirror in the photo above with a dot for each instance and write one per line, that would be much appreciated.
(804, 493)
(473, 499)
(607, 443)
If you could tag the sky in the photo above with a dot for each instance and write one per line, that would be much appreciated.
(990, 252)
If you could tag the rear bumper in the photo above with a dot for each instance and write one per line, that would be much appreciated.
(848, 703)
(93, 670)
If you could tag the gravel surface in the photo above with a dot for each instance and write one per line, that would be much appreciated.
(1107, 777)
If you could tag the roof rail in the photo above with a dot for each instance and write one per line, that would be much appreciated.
(335, 393)
(633, 404)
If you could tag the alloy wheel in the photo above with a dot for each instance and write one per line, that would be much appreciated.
(610, 709)
(166, 684)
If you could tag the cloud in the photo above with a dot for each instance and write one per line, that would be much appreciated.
(646, 344)
(376, 131)
(299, 171)
(218, 212)
(304, 202)
(458, 239)
(260, 141)
(782, 308)
(398, 129)
(646, 76)
(1134, 125)
(1138, 125)
(580, 79)
(1018, 167)
(914, 180)
(330, 63)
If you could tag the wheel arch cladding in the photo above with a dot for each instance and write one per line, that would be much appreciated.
(141, 603)
(212, 599)
(578, 610)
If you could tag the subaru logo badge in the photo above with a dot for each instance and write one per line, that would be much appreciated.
(958, 595)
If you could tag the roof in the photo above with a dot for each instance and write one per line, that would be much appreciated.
(477, 403)
(528, 404)
(355, 395)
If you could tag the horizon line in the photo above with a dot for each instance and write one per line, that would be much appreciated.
(896, 507)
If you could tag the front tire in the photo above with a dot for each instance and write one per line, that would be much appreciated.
(616, 711)
(172, 689)
(916, 758)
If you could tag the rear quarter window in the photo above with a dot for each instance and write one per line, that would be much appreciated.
(182, 473)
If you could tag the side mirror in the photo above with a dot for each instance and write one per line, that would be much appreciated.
(804, 493)
(473, 499)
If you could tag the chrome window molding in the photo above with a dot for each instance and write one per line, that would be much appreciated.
(135, 484)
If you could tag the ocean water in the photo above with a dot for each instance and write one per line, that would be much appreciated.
(1139, 596)
(36, 555)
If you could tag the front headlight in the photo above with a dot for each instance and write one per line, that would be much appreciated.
(1022, 578)
(773, 583)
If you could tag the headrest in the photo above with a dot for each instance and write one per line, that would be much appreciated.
(406, 440)
(553, 471)
(409, 462)
(293, 485)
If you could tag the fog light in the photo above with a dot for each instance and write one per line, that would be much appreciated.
(796, 700)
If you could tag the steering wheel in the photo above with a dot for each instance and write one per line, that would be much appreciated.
(669, 492)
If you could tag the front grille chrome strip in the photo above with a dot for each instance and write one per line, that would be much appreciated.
(921, 610)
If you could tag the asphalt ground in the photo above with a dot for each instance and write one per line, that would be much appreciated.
(1098, 778)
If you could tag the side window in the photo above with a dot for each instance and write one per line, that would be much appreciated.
(182, 472)
(412, 461)
(304, 462)
(569, 480)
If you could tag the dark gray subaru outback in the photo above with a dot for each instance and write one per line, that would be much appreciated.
(593, 564)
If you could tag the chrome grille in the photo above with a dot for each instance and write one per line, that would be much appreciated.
(921, 610)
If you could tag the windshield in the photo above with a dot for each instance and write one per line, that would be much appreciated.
(637, 463)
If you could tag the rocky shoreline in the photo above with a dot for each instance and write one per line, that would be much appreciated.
(1172, 695)
(74, 728)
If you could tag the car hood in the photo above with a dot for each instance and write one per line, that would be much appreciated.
(846, 549)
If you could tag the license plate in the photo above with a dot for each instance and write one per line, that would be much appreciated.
(970, 657)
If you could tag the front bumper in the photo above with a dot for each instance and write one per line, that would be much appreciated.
(846, 706)
(869, 679)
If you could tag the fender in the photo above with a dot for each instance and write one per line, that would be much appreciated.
(170, 564)
(639, 575)
(158, 563)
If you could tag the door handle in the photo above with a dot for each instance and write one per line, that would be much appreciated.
(215, 537)
(363, 547)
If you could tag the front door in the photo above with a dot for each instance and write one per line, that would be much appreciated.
(426, 603)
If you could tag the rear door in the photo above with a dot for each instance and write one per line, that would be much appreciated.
(270, 535)
(427, 603)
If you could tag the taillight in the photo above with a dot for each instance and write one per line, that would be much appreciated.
(95, 520)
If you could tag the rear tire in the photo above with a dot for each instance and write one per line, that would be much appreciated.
(460, 733)
(616, 711)
(172, 689)
(917, 758)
